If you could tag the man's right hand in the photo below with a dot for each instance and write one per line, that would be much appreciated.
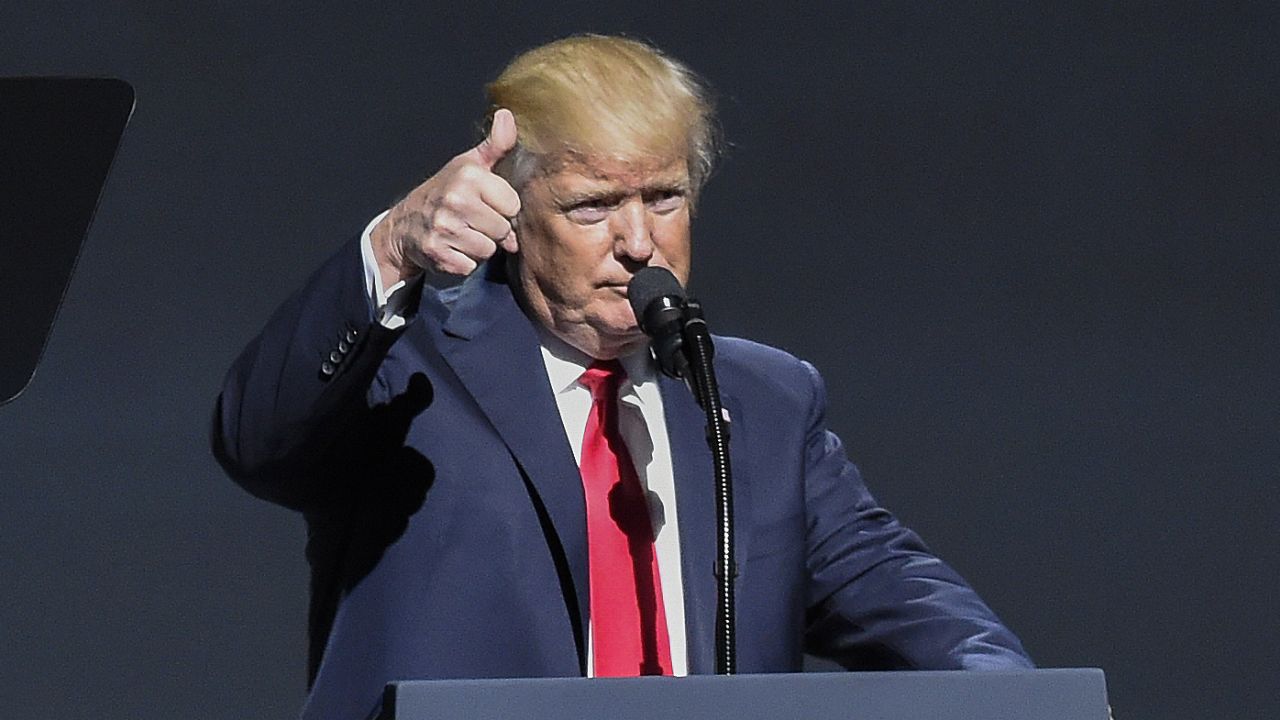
(456, 219)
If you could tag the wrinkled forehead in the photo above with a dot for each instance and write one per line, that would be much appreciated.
(598, 168)
(604, 152)
(600, 165)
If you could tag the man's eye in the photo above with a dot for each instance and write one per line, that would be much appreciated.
(666, 201)
(590, 211)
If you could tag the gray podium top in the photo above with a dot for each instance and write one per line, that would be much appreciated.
(1068, 694)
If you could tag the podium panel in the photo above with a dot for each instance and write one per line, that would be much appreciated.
(1066, 694)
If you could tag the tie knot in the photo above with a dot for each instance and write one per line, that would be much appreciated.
(603, 378)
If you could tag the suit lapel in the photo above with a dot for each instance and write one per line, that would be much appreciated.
(493, 348)
(696, 508)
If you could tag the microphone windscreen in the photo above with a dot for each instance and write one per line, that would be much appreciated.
(650, 284)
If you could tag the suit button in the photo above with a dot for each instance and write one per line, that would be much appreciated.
(335, 357)
(343, 345)
(351, 335)
(327, 368)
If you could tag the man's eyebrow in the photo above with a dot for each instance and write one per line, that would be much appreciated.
(609, 195)
(613, 195)
(673, 185)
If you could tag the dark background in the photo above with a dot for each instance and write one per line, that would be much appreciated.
(1033, 250)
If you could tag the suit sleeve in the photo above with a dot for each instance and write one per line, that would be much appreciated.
(293, 403)
(877, 598)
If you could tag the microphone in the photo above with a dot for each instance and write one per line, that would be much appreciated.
(659, 304)
(682, 344)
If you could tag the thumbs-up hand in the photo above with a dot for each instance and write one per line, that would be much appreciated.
(455, 220)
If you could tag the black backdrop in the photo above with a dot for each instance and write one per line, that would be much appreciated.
(1033, 250)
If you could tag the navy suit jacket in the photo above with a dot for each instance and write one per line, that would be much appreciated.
(446, 521)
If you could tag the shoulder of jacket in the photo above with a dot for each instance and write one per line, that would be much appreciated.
(763, 370)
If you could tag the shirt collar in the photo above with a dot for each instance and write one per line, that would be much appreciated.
(565, 364)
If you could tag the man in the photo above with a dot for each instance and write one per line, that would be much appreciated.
(495, 479)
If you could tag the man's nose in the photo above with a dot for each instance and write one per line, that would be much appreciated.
(633, 231)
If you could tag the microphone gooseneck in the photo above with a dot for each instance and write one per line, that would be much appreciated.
(682, 345)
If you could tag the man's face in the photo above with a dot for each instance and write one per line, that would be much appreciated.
(586, 227)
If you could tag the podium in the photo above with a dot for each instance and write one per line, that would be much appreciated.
(1065, 694)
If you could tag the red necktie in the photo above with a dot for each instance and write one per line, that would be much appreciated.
(629, 622)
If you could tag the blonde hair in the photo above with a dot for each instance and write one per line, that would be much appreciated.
(603, 96)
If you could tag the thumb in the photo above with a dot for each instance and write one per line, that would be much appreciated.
(500, 141)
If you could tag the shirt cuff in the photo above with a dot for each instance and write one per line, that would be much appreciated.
(388, 303)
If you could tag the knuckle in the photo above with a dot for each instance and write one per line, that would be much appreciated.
(454, 198)
(473, 245)
(511, 202)
(426, 251)
(458, 264)
(447, 224)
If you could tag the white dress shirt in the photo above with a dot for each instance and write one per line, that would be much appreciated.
(641, 421)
